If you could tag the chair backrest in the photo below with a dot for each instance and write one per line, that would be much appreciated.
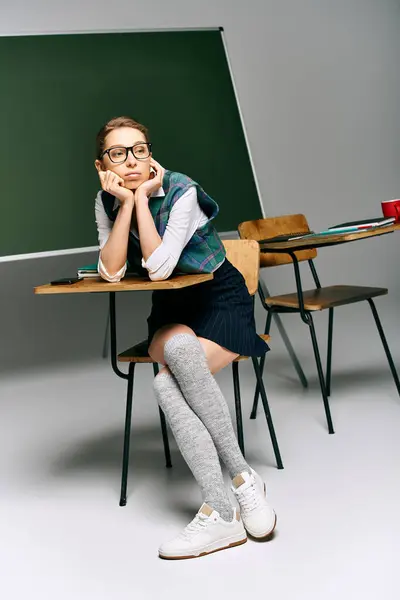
(245, 256)
(262, 229)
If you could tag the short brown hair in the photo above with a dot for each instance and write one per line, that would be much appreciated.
(115, 123)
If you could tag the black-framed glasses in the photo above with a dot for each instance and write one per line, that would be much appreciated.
(119, 154)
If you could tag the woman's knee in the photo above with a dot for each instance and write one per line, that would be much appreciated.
(162, 336)
(183, 350)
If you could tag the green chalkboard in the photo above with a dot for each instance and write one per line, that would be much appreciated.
(58, 90)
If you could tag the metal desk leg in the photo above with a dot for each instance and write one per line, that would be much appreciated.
(113, 339)
(106, 336)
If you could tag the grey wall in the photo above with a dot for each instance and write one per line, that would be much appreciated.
(319, 87)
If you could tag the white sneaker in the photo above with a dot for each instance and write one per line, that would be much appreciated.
(258, 517)
(205, 534)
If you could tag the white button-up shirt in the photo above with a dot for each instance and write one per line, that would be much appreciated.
(185, 218)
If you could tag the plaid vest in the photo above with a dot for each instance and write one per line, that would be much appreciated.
(203, 253)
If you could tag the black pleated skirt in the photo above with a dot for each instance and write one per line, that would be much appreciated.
(220, 310)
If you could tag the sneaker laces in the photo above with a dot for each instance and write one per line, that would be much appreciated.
(199, 523)
(249, 499)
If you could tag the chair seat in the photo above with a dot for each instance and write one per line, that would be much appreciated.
(327, 297)
(263, 336)
(140, 353)
(137, 354)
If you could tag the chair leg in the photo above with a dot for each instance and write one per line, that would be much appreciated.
(253, 413)
(329, 354)
(238, 405)
(127, 436)
(267, 413)
(320, 373)
(267, 328)
(385, 344)
(289, 348)
(264, 292)
(164, 430)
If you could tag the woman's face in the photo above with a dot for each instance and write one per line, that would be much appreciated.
(132, 170)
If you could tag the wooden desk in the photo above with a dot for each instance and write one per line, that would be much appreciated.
(129, 284)
(319, 241)
(290, 247)
(334, 295)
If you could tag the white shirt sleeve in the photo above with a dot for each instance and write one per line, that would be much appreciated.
(185, 218)
(105, 274)
(104, 227)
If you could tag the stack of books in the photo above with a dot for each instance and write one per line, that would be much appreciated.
(88, 271)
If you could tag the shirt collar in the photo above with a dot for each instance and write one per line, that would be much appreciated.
(157, 194)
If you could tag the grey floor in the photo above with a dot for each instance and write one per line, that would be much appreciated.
(63, 535)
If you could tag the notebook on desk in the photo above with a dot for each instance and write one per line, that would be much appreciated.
(350, 227)
(365, 223)
(343, 230)
(88, 271)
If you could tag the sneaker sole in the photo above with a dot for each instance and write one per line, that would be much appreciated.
(232, 545)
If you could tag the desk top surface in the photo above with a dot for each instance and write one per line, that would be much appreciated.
(326, 240)
(130, 284)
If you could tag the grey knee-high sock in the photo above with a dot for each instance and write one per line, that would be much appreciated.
(186, 359)
(194, 442)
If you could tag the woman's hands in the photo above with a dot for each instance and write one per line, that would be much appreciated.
(112, 183)
(146, 188)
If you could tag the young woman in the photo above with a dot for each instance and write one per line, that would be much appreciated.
(158, 222)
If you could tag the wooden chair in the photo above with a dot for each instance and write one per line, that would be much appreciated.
(307, 302)
(245, 256)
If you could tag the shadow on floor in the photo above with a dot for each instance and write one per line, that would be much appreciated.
(361, 378)
(104, 452)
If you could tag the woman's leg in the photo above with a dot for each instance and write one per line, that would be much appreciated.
(194, 442)
(192, 361)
